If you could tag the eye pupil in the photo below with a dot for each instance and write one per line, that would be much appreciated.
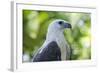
(60, 22)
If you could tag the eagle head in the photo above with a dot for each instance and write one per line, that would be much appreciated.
(59, 24)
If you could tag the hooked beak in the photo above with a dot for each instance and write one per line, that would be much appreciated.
(67, 25)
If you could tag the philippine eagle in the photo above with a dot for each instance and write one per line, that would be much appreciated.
(55, 47)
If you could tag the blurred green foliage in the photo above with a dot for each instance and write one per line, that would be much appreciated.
(35, 25)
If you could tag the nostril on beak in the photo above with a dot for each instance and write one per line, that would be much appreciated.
(67, 25)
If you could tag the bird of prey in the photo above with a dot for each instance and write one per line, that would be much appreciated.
(55, 47)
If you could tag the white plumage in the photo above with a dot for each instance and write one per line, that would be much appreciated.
(55, 33)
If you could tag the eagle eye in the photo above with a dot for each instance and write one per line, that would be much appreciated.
(60, 22)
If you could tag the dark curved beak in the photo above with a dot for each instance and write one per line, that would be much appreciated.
(67, 25)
